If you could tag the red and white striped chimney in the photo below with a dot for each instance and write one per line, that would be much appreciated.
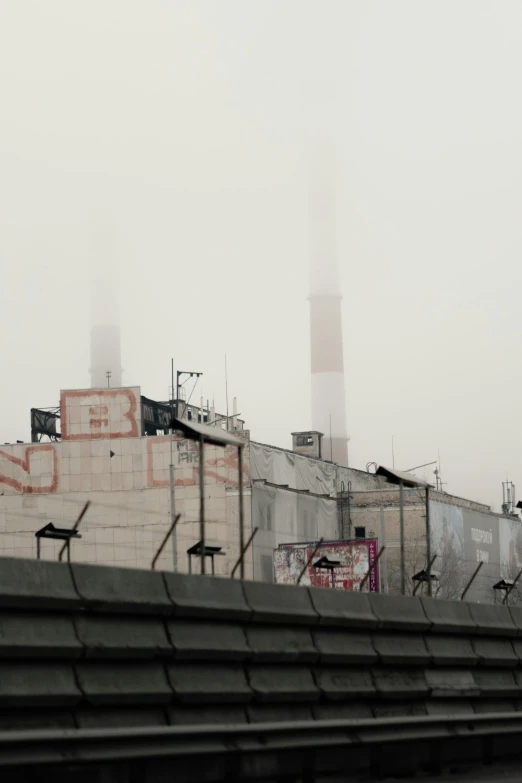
(326, 332)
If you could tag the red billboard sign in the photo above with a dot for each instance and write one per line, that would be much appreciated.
(355, 559)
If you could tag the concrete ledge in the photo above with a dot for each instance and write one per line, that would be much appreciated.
(345, 683)
(266, 713)
(206, 715)
(516, 616)
(403, 649)
(38, 685)
(339, 607)
(122, 590)
(496, 682)
(451, 683)
(400, 683)
(449, 707)
(517, 647)
(122, 683)
(355, 710)
(122, 637)
(450, 650)
(25, 720)
(205, 640)
(495, 652)
(337, 645)
(213, 683)
(494, 705)
(35, 635)
(36, 584)
(399, 613)
(206, 596)
(278, 643)
(448, 616)
(282, 683)
(398, 709)
(116, 717)
(493, 620)
(279, 604)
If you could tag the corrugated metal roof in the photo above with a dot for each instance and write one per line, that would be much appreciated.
(396, 476)
(213, 435)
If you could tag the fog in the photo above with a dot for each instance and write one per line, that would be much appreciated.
(164, 145)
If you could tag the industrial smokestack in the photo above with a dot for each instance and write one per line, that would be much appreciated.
(105, 366)
(326, 333)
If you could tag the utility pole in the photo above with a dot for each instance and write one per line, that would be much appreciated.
(172, 477)
(108, 376)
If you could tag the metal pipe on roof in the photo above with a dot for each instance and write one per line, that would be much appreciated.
(241, 509)
(202, 499)
(401, 526)
(428, 539)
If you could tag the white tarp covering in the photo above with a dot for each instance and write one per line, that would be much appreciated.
(298, 472)
(283, 516)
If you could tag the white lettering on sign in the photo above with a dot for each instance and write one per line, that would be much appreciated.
(482, 556)
(481, 536)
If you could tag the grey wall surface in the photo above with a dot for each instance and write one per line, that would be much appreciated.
(462, 537)
(283, 516)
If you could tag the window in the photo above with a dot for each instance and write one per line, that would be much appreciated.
(304, 440)
(360, 532)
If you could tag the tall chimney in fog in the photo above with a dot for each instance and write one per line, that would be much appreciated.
(105, 366)
(326, 332)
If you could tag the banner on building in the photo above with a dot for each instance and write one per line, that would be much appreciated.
(355, 559)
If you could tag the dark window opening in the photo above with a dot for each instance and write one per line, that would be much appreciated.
(305, 440)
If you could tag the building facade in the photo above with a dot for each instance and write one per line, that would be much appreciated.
(113, 451)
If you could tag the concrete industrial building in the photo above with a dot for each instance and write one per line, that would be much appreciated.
(114, 451)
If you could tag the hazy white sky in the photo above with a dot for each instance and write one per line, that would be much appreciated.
(164, 143)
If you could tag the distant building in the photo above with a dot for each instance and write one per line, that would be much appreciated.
(110, 446)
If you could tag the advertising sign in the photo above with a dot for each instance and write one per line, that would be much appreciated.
(356, 557)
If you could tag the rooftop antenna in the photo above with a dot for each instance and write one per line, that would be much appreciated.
(508, 497)
(226, 386)
(172, 483)
(108, 376)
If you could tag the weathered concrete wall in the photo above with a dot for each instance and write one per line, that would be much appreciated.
(90, 647)
(104, 459)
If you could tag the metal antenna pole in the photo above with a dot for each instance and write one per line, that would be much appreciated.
(429, 571)
(428, 540)
(308, 562)
(170, 531)
(510, 588)
(401, 526)
(475, 572)
(226, 387)
(172, 479)
(202, 501)
(241, 510)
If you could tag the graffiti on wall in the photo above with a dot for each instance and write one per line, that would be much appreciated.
(355, 560)
(93, 414)
(35, 471)
(221, 465)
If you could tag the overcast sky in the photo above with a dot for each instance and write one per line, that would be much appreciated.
(164, 143)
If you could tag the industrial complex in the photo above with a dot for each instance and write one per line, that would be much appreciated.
(301, 509)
